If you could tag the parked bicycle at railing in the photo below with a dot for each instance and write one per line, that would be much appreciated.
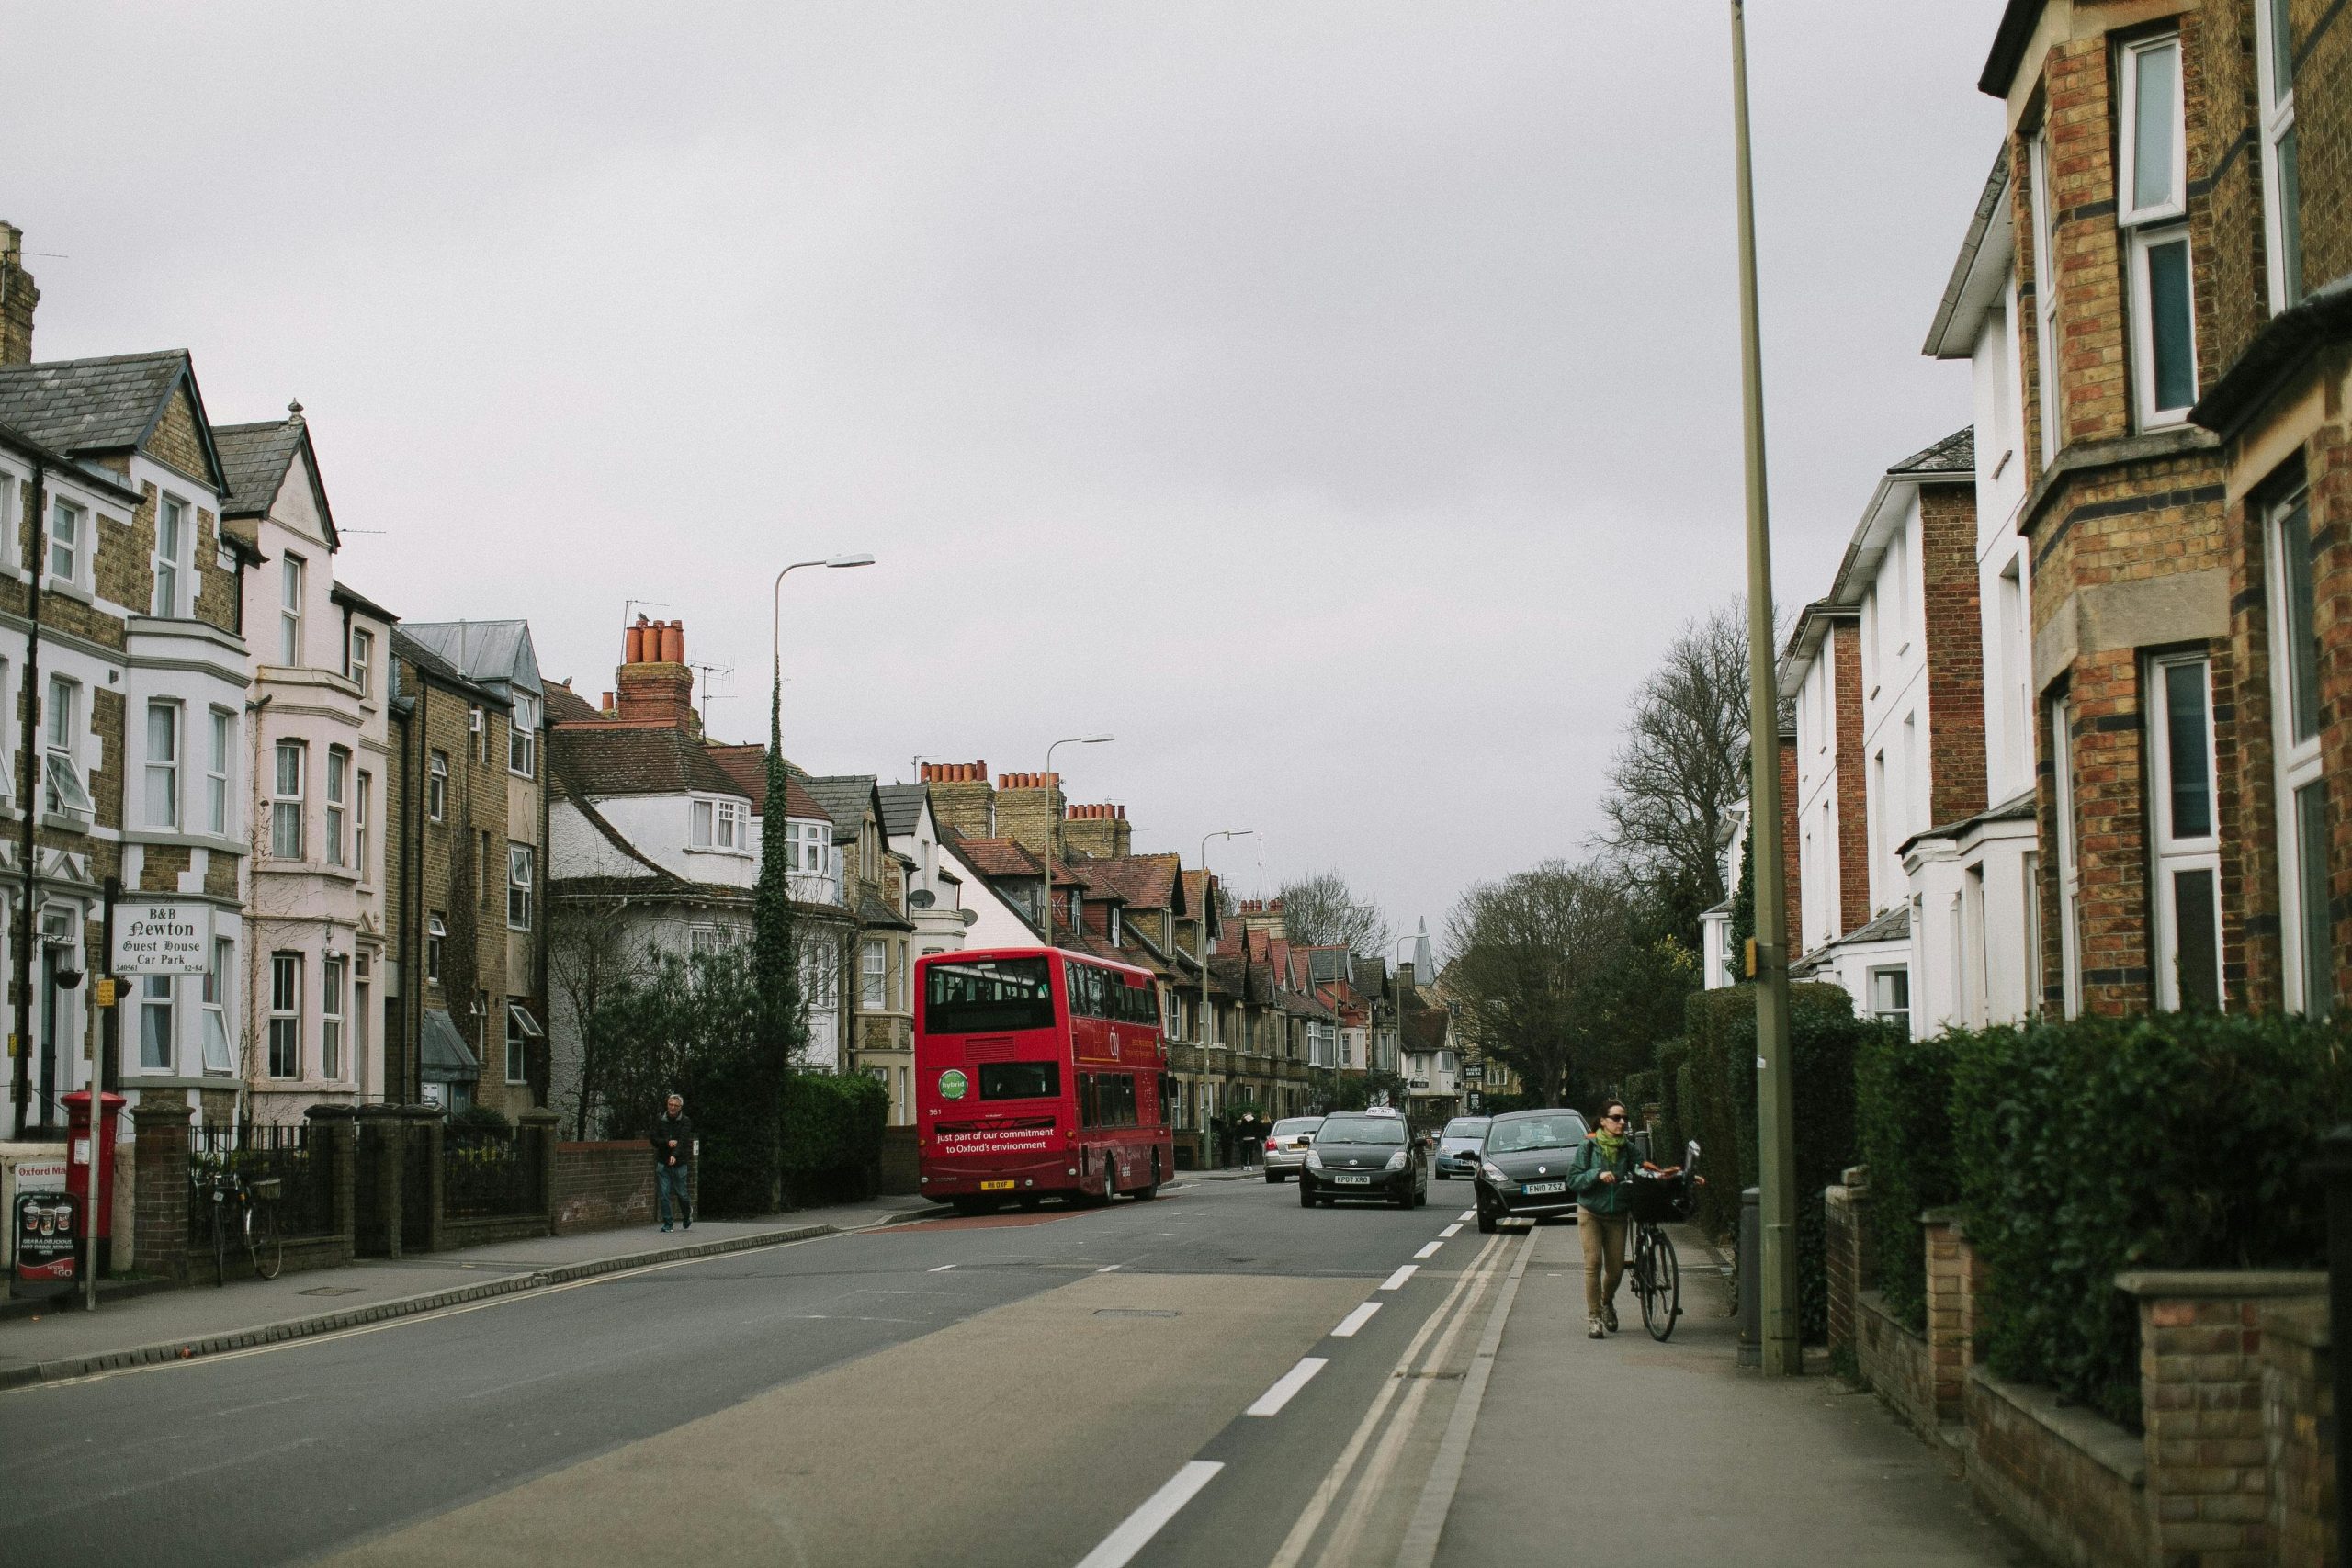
(244, 1213)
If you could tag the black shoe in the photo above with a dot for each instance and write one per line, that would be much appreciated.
(690, 1224)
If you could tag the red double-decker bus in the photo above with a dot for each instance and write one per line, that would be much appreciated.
(1038, 1071)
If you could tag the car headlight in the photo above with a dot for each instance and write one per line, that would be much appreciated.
(1396, 1160)
(1314, 1160)
(1492, 1172)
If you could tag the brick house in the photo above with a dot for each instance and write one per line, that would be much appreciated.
(317, 756)
(881, 946)
(110, 476)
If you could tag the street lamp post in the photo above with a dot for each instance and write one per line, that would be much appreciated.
(775, 642)
(1784, 1352)
(1208, 1018)
(1054, 830)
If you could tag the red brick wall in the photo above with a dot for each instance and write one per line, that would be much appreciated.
(1853, 786)
(1955, 652)
(602, 1186)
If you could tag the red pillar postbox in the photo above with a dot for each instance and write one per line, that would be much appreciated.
(85, 1150)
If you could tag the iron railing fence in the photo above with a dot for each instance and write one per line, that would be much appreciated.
(486, 1174)
(300, 1157)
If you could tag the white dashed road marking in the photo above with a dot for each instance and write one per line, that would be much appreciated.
(1120, 1545)
(1356, 1320)
(1271, 1403)
(1447, 1234)
(1430, 1251)
(1397, 1281)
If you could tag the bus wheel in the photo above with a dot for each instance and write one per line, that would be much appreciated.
(1146, 1193)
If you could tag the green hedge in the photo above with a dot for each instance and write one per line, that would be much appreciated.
(832, 1136)
(1903, 1123)
(2083, 1148)
(1712, 1067)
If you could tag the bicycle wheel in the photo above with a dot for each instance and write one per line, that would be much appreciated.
(262, 1241)
(1664, 1304)
(219, 1244)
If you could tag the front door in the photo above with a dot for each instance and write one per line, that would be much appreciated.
(54, 1059)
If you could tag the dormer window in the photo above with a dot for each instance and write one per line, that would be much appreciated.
(1114, 925)
(290, 610)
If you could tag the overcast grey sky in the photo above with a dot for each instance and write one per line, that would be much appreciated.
(1336, 401)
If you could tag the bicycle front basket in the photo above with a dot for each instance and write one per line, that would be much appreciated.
(1657, 1200)
(263, 1189)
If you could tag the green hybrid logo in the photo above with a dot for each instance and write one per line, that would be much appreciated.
(952, 1083)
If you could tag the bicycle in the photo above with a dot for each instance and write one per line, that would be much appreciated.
(247, 1212)
(1659, 1200)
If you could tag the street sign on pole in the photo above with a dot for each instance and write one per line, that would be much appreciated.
(162, 936)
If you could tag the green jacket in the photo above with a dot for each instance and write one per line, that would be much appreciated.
(1584, 1177)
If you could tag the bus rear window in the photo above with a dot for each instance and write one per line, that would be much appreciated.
(1019, 1080)
(988, 995)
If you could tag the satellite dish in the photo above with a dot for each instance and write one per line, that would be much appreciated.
(971, 917)
(921, 898)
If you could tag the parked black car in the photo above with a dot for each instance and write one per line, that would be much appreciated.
(1365, 1153)
(1523, 1166)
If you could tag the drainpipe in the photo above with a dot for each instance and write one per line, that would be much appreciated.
(28, 804)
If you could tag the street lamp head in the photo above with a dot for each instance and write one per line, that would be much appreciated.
(850, 560)
(1095, 739)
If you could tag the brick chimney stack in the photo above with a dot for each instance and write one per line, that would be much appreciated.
(1097, 833)
(656, 687)
(17, 298)
(1027, 807)
(961, 798)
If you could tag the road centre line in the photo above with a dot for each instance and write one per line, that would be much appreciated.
(1327, 1492)
(1447, 1234)
(941, 1269)
(1467, 1215)
(1397, 1281)
(1110, 1268)
(1420, 1549)
(1119, 1547)
(1429, 1250)
(1271, 1403)
(1356, 1320)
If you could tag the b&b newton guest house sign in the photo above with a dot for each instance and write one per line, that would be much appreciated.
(162, 936)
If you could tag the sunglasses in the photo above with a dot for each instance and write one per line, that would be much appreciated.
(1613, 1116)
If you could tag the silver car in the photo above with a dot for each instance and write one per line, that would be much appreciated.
(1458, 1145)
(1287, 1144)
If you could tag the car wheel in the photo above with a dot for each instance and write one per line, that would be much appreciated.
(1485, 1222)
(1306, 1196)
(1274, 1179)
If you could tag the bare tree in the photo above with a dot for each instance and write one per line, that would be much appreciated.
(1683, 766)
(1560, 972)
(1323, 912)
(589, 958)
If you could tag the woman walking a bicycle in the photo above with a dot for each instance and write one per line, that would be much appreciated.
(1601, 1177)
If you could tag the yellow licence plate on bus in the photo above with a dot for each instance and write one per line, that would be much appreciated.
(996, 1186)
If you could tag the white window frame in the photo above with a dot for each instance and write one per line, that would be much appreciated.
(2045, 301)
(64, 791)
(335, 973)
(362, 660)
(2275, 105)
(217, 1057)
(63, 513)
(2296, 759)
(362, 803)
(221, 737)
(702, 823)
(286, 799)
(163, 763)
(436, 787)
(2172, 851)
(2069, 868)
(436, 932)
(729, 831)
(1883, 1008)
(170, 562)
(293, 575)
(284, 1016)
(13, 487)
(873, 977)
(2151, 225)
(519, 868)
(518, 1064)
(158, 1050)
(522, 736)
(338, 800)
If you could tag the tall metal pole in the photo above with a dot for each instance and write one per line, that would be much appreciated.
(1775, 1088)
(28, 808)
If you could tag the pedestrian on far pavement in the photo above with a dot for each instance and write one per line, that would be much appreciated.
(1248, 1136)
(1601, 1177)
(673, 1161)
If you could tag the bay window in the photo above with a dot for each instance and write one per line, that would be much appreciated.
(285, 801)
(155, 1023)
(216, 1008)
(338, 787)
(874, 977)
(2185, 840)
(285, 1015)
(331, 988)
(2282, 193)
(216, 771)
(163, 764)
(362, 660)
(2152, 208)
(2303, 879)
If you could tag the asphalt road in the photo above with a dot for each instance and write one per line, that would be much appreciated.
(1023, 1389)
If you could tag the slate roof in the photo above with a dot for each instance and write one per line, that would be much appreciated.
(845, 798)
(253, 460)
(344, 594)
(100, 405)
(872, 912)
(1955, 454)
(424, 658)
(902, 807)
(442, 1055)
(598, 761)
(486, 650)
(1425, 1028)
(567, 707)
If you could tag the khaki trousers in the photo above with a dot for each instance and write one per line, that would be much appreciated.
(1603, 1239)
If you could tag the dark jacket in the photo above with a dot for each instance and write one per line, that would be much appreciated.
(1584, 1177)
(666, 1128)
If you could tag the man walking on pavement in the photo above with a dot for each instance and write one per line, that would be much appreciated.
(673, 1161)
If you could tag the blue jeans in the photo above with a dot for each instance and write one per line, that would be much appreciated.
(674, 1180)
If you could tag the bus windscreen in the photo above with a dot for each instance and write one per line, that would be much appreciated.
(987, 996)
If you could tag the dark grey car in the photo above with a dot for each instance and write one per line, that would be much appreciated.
(1523, 1166)
(1365, 1153)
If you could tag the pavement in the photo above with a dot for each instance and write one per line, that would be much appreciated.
(1215, 1377)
